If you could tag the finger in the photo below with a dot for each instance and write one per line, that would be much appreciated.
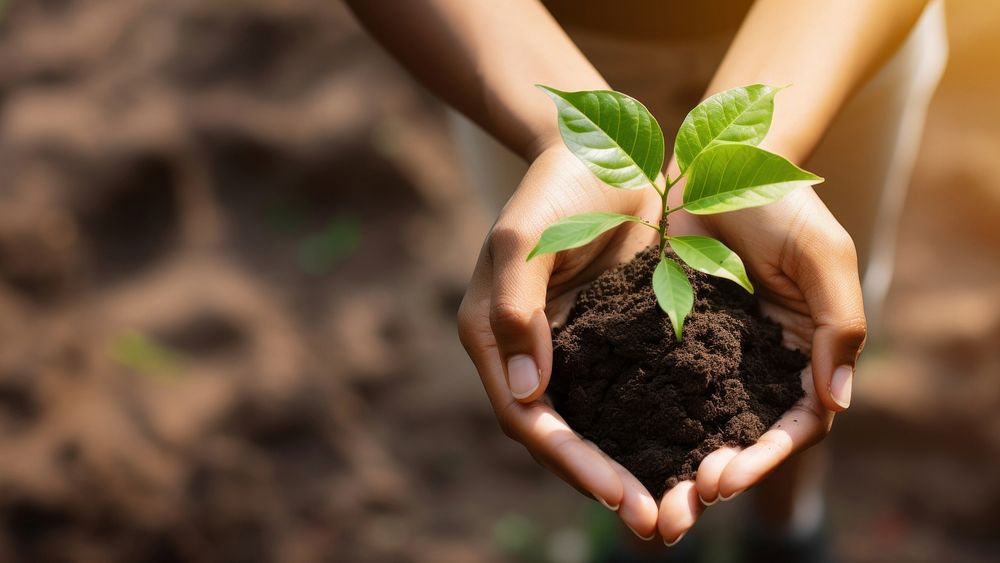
(710, 471)
(796, 430)
(551, 441)
(517, 312)
(559, 472)
(638, 509)
(679, 510)
(832, 290)
(536, 425)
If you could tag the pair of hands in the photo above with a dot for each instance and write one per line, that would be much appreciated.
(804, 266)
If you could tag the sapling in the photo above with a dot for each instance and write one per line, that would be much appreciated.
(716, 149)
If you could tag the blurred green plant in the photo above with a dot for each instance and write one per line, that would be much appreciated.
(137, 352)
(286, 215)
(568, 545)
(517, 536)
(318, 253)
(592, 537)
(621, 143)
(603, 530)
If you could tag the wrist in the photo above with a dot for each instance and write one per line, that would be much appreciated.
(546, 140)
(794, 143)
(783, 214)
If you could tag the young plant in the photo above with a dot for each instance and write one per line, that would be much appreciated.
(617, 138)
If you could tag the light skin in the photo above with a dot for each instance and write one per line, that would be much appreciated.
(485, 57)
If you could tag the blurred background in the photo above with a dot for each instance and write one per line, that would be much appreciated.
(233, 239)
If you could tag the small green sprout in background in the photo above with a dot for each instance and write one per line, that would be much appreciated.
(592, 536)
(516, 535)
(617, 138)
(318, 253)
(145, 356)
(286, 215)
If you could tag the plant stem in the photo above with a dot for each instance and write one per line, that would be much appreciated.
(650, 225)
(666, 210)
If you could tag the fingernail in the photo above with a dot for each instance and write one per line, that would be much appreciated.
(730, 497)
(641, 537)
(608, 506)
(675, 542)
(840, 385)
(706, 503)
(522, 375)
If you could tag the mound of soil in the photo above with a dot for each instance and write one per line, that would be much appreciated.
(657, 406)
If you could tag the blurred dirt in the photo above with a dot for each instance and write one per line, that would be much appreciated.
(221, 262)
(232, 243)
(916, 468)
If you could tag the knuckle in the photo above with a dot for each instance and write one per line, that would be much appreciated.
(508, 314)
(504, 419)
(506, 240)
(506, 428)
(472, 325)
(465, 334)
(818, 246)
(854, 332)
(821, 437)
(465, 315)
(844, 246)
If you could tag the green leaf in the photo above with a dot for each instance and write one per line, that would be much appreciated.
(740, 115)
(578, 230)
(727, 177)
(613, 134)
(708, 255)
(673, 292)
(145, 356)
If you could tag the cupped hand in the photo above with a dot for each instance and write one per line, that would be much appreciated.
(505, 318)
(805, 270)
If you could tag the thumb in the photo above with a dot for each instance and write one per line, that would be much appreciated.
(517, 314)
(833, 292)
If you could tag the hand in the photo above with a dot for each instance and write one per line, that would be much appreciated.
(805, 269)
(505, 317)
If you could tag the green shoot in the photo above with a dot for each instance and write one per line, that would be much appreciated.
(145, 356)
(617, 138)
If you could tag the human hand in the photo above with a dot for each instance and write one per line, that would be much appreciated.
(805, 269)
(505, 317)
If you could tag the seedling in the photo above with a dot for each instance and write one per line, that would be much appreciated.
(145, 356)
(617, 138)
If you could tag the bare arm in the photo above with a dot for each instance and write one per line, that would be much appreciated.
(484, 58)
(823, 49)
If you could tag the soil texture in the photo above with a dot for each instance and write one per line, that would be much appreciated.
(658, 406)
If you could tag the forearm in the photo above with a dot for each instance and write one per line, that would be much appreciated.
(823, 50)
(483, 58)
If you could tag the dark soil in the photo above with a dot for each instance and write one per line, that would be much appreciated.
(658, 406)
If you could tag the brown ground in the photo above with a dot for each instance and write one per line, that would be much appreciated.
(231, 249)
